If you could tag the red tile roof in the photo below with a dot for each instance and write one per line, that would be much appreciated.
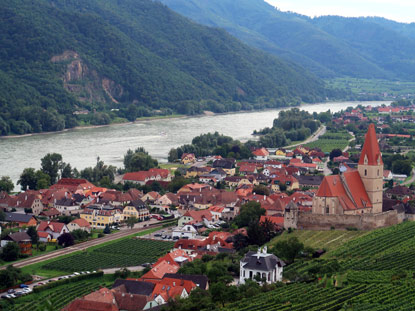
(333, 186)
(52, 225)
(81, 222)
(371, 150)
(260, 152)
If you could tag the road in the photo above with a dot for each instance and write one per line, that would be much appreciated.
(81, 246)
(410, 181)
(321, 131)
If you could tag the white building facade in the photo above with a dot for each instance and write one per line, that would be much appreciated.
(261, 267)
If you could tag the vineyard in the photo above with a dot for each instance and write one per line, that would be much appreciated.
(58, 297)
(373, 271)
(328, 240)
(313, 297)
(125, 253)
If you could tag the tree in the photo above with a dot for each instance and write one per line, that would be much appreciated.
(32, 232)
(240, 241)
(131, 222)
(402, 167)
(10, 252)
(6, 184)
(28, 179)
(173, 155)
(2, 215)
(335, 153)
(66, 171)
(43, 180)
(288, 250)
(51, 164)
(138, 160)
(261, 190)
(66, 240)
(250, 212)
(107, 229)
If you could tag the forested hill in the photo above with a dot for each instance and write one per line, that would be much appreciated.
(329, 46)
(128, 59)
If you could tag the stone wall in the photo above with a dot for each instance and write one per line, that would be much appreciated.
(360, 222)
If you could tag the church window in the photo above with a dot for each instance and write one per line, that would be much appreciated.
(365, 172)
(378, 172)
(327, 210)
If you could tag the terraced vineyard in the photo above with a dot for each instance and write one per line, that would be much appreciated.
(374, 271)
(58, 296)
(312, 297)
(328, 240)
(125, 253)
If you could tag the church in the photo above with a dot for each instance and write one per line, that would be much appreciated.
(358, 191)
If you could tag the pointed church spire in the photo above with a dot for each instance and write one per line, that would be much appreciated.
(371, 152)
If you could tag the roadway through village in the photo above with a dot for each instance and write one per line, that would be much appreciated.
(83, 246)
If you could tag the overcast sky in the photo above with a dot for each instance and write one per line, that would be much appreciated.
(398, 10)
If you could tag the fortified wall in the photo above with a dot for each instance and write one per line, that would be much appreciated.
(361, 222)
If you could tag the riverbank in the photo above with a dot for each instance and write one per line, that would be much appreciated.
(82, 127)
(180, 116)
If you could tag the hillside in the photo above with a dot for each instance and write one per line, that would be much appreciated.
(133, 57)
(372, 272)
(329, 46)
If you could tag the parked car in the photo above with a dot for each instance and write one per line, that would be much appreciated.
(19, 293)
(11, 291)
(23, 286)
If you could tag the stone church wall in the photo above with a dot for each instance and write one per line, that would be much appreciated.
(360, 222)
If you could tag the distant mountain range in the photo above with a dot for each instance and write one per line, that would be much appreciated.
(329, 46)
(128, 59)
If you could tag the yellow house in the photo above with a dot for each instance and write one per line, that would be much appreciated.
(197, 171)
(280, 153)
(133, 211)
(188, 158)
(98, 219)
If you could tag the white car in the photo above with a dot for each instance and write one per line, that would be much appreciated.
(76, 273)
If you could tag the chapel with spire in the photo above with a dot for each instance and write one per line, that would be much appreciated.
(358, 191)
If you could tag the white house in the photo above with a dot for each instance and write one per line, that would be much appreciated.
(186, 231)
(261, 266)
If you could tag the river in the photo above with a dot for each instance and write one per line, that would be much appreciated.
(81, 147)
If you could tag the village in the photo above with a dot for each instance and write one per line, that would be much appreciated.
(359, 179)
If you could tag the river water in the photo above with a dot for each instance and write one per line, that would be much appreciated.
(81, 147)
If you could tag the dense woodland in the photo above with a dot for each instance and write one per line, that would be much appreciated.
(329, 46)
(152, 61)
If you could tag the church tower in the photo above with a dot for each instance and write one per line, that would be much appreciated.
(370, 168)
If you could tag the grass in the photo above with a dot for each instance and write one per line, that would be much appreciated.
(328, 240)
(171, 166)
(37, 268)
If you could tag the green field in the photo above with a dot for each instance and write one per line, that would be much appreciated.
(373, 86)
(330, 141)
(58, 296)
(362, 271)
(125, 253)
(327, 240)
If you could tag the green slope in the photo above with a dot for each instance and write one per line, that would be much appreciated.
(131, 56)
(329, 46)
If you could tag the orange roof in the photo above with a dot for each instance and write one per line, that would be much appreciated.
(170, 257)
(159, 270)
(81, 222)
(333, 186)
(260, 152)
(371, 150)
